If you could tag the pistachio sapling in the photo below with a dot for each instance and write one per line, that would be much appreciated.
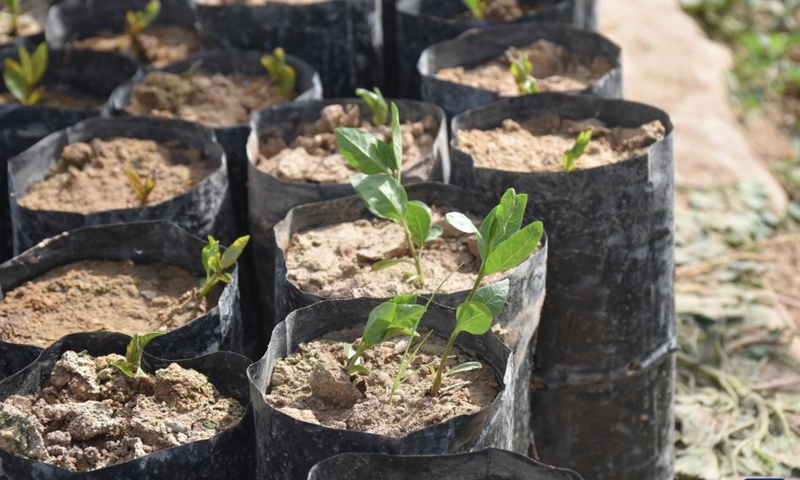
(378, 183)
(284, 74)
(136, 23)
(572, 155)
(141, 188)
(377, 103)
(522, 68)
(477, 8)
(13, 12)
(21, 78)
(215, 262)
(132, 365)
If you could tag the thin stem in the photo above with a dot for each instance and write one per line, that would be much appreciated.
(437, 382)
(206, 288)
(477, 283)
(413, 250)
(359, 351)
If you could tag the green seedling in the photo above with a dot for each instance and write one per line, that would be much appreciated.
(376, 102)
(502, 244)
(572, 155)
(284, 74)
(132, 365)
(13, 11)
(477, 8)
(21, 78)
(378, 183)
(215, 262)
(141, 188)
(137, 22)
(522, 69)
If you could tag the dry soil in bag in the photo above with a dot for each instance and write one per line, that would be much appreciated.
(341, 39)
(520, 315)
(478, 47)
(422, 23)
(203, 210)
(609, 313)
(287, 448)
(228, 454)
(143, 243)
(489, 463)
(81, 72)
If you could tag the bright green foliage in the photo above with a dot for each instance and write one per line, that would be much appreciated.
(141, 188)
(137, 22)
(132, 365)
(476, 7)
(283, 73)
(376, 102)
(13, 10)
(572, 155)
(378, 184)
(21, 78)
(522, 70)
(215, 263)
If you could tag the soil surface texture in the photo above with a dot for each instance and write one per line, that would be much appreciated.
(90, 177)
(311, 385)
(336, 261)
(93, 296)
(213, 99)
(52, 98)
(90, 416)
(163, 44)
(313, 155)
(539, 144)
(554, 68)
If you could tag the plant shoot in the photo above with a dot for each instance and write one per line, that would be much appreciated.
(522, 69)
(572, 155)
(132, 365)
(377, 103)
(216, 263)
(477, 8)
(136, 23)
(21, 78)
(284, 74)
(13, 11)
(141, 188)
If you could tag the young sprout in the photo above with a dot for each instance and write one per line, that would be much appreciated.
(278, 69)
(13, 10)
(378, 184)
(521, 68)
(21, 78)
(502, 244)
(137, 22)
(376, 101)
(572, 155)
(132, 365)
(141, 188)
(215, 263)
(476, 7)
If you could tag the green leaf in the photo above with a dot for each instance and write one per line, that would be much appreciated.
(353, 369)
(390, 318)
(493, 296)
(404, 300)
(233, 252)
(128, 369)
(131, 366)
(14, 79)
(383, 195)
(397, 139)
(349, 351)
(436, 232)
(472, 317)
(151, 12)
(572, 155)
(514, 250)
(26, 64)
(361, 150)
(384, 264)
(502, 222)
(377, 103)
(208, 256)
(13, 6)
(461, 222)
(463, 368)
(476, 7)
(418, 218)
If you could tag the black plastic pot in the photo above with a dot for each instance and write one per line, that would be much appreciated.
(287, 448)
(143, 243)
(520, 315)
(422, 23)
(341, 39)
(477, 47)
(204, 210)
(609, 312)
(489, 463)
(81, 72)
(271, 198)
(228, 454)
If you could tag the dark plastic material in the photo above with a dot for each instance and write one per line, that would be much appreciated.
(520, 315)
(272, 198)
(609, 310)
(229, 454)
(143, 242)
(422, 23)
(477, 47)
(341, 39)
(287, 448)
(204, 210)
(81, 72)
(487, 464)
